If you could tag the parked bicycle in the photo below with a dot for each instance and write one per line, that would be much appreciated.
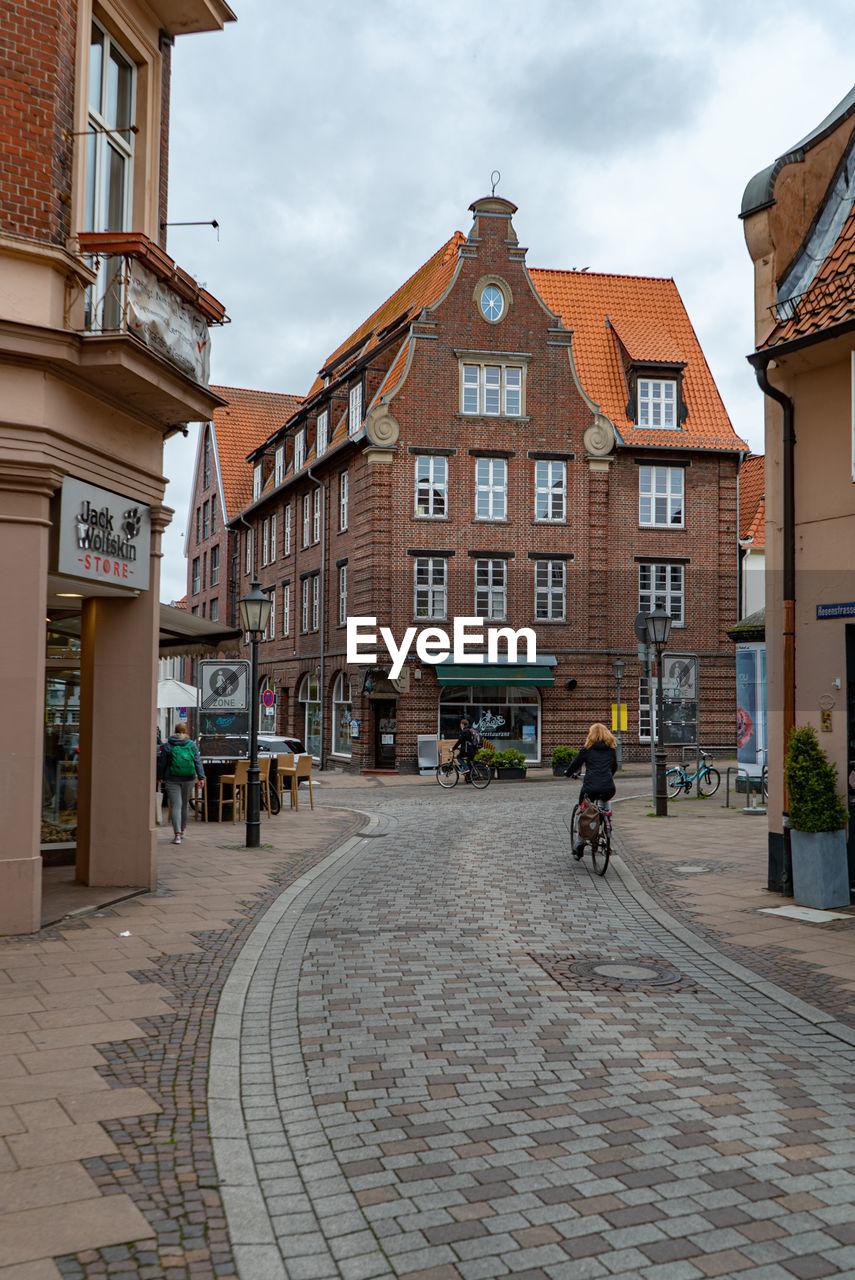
(705, 777)
(601, 844)
(448, 772)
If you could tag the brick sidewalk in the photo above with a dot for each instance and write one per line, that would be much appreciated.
(105, 1025)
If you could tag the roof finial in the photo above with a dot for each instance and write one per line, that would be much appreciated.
(495, 178)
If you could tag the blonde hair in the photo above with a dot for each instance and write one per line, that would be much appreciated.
(599, 733)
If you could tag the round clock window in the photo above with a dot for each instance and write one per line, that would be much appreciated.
(492, 302)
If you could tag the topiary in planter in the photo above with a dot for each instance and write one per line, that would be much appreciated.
(561, 757)
(812, 785)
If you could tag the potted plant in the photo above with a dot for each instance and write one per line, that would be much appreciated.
(817, 819)
(561, 757)
(509, 764)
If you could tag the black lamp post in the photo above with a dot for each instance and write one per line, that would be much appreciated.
(658, 630)
(618, 667)
(254, 615)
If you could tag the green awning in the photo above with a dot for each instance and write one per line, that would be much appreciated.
(520, 675)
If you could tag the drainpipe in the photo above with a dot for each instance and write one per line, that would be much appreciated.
(323, 592)
(788, 439)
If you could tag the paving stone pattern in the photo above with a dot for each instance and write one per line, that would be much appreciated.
(400, 1090)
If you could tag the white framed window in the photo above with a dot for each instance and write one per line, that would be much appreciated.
(431, 486)
(256, 480)
(354, 410)
(342, 595)
(316, 515)
(206, 523)
(657, 403)
(279, 464)
(266, 715)
(491, 488)
(206, 455)
(273, 537)
(109, 165)
(214, 611)
(213, 514)
(322, 432)
(270, 633)
(342, 501)
(307, 519)
(550, 491)
(491, 589)
(316, 601)
(198, 525)
(286, 609)
(248, 550)
(660, 496)
(492, 390)
(646, 708)
(661, 586)
(342, 708)
(265, 541)
(310, 695)
(306, 597)
(286, 530)
(430, 575)
(299, 448)
(215, 566)
(195, 578)
(550, 579)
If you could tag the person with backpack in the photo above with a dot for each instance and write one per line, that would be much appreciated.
(600, 760)
(467, 744)
(180, 765)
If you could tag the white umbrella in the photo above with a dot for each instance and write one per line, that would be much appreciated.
(175, 693)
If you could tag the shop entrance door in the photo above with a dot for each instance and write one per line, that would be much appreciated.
(385, 730)
(850, 744)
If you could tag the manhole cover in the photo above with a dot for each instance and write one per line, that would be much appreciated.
(609, 973)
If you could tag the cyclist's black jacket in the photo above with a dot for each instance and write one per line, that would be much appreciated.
(466, 743)
(600, 763)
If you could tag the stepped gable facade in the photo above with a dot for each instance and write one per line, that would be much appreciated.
(538, 449)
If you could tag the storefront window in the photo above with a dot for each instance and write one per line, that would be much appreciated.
(310, 696)
(61, 746)
(504, 715)
(341, 715)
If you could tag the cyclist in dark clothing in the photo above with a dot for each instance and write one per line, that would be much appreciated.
(600, 760)
(465, 744)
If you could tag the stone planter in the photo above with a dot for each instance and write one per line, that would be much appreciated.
(505, 774)
(820, 869)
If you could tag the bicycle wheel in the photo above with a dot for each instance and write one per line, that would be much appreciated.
(601, 849)
(275, 802)
(479, 775)
(675, 780)
(446, 775)
(708, 782)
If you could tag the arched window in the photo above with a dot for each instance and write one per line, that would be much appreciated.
(266, 714)
(342, 707)
(310, 696)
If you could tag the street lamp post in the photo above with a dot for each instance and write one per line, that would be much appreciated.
(658, 630)
(618, 667)
(254, 615)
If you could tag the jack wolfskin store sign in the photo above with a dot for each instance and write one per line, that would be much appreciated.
(103, 536)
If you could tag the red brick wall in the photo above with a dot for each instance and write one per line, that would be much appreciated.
(37, 40)
(601, 533)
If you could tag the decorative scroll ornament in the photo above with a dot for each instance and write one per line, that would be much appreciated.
(599, 439)
(381, 427)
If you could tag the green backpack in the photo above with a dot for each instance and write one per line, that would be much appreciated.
(182, 760)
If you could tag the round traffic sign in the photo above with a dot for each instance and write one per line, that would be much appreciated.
(268, 697)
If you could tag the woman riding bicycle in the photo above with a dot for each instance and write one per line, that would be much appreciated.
(600, 760)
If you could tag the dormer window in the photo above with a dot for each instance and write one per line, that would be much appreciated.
(354, 413)
(279, 464)
(657, 404)
(256, 480)
(322, 434)
(299, 449)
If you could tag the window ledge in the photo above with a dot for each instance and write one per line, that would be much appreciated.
(492, 417)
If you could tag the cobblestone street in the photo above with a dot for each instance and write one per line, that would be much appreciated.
(450, 1051)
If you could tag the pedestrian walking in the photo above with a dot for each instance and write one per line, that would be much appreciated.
(180, 765)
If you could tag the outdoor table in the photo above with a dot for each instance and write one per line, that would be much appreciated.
(215, 767)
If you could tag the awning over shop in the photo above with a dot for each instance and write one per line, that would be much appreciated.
(182, 634)
(517, 674)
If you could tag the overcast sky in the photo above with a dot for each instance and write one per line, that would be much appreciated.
(339, 144)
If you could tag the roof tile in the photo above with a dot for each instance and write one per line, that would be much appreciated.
(246, 421)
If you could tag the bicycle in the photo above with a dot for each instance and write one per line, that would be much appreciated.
(448, 772)
(601, 848)
(679, 779)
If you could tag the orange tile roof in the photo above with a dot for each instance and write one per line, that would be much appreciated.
(649, 316)
(245, 422)
(423, 288)
(752, 504)
(830, 297)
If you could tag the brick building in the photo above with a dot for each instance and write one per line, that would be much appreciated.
(541, 449)
(222, 487)
(92, 380)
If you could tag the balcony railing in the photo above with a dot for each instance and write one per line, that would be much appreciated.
(141, 292)
(835, 297)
